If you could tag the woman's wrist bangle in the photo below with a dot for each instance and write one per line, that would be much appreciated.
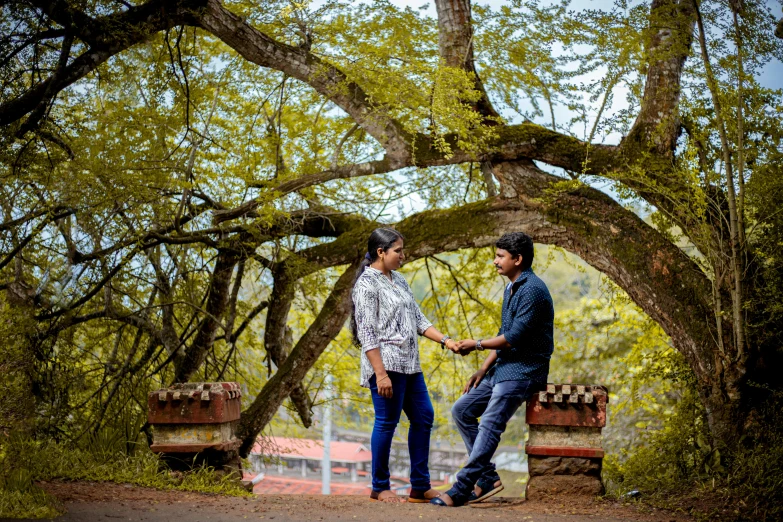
(382, 378)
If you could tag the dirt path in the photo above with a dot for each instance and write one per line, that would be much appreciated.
(89, 501)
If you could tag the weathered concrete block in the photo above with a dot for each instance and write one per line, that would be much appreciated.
(179, 438)
(564, 444)
(563, 466)
(579, 436)
(568, 486)
(195, 403)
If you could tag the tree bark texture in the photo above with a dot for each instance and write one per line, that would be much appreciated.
(216, 306)
(455, 41)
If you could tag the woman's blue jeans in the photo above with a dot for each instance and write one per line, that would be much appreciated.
(409, 394)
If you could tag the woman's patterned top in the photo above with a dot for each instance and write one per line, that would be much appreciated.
(387, 317)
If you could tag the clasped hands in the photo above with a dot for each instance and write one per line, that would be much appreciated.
(463, 347)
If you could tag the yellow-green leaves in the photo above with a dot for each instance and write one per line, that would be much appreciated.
(452, 111)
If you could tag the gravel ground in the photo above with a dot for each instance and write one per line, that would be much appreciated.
(90, 501)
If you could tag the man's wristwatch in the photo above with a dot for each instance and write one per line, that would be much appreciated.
(478, 345)
(443, 341)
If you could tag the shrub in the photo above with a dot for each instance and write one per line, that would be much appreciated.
(740, 483)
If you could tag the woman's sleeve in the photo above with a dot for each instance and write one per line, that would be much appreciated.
(422, 323)
(365, 301)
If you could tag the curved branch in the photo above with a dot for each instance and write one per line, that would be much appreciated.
(660, 278)
(260, 307)
(345, 172)
(106, 36)
(583, 221)
(277, 335)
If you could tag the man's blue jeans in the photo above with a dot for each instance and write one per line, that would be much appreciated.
(409, 394)
(495, 403)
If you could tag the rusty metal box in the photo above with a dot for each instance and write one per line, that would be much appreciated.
(193, 417)
(568, 405)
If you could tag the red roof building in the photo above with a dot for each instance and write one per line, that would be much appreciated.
(282, 466)
(309, 449)
(349, 460)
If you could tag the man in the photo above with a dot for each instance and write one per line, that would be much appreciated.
(517, 366)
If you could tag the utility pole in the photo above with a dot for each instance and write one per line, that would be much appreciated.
(326, 462)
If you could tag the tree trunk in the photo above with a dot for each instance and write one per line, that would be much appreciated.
(277, 340)
(311, 345)
(217, 303)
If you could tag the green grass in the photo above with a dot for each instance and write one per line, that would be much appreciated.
(28, 461)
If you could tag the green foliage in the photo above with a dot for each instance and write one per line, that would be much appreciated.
(16, 366)
(33, 503)
(755, 470)
(676, 466)
(666, 458)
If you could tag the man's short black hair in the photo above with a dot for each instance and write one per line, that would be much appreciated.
(518, 244)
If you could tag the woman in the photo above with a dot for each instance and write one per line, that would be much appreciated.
(384, 323)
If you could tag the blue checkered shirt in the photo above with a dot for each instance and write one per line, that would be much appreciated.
(528, 324)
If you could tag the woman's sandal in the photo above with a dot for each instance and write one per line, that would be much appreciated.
(487, 488)
(420, 497)
(456, 499)
(386, 495)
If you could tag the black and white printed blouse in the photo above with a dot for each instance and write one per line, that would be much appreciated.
(388, 317)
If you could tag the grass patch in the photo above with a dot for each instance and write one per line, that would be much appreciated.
(29, 461)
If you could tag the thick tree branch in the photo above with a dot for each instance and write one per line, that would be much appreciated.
(455, 40)
(277, 335)
(583, 221)
(344, 172)
(668, 42)
(48, 96)
(657, 275)
(106, 37)
(217, 302)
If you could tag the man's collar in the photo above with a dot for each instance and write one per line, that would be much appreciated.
(522, 277)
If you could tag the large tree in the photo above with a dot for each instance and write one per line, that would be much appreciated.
(113, 113)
